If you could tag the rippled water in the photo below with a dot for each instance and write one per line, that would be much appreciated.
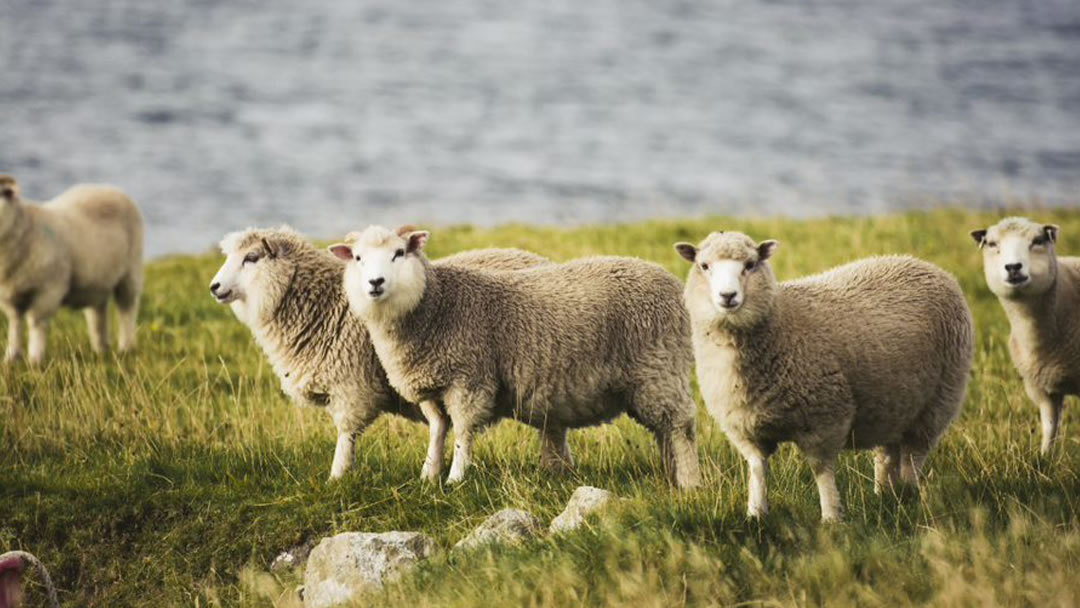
(331, 115)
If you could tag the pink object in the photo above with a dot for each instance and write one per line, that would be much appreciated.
(13, 563)
(11, 595)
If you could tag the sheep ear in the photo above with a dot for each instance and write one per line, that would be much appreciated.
(979, 236)
(1051, 232)
(341, 251)
(270, 250)
(766, 249)
(687, 251)
(405, 230)
(417, 240)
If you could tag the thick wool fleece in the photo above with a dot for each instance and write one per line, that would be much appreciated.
(78, 250)
(875, 353)
(1044, 316)
(556, 347)
(318, 349)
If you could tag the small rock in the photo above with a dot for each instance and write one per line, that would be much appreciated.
(292, 558)
(584, 501)
(343, 566)
(506, 526)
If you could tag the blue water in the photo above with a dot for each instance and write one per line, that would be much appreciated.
(333, 115)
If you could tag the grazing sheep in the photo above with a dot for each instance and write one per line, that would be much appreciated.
(557, 347)
(290, 295)
(1040, 293)
(76, 250)
(872, 354)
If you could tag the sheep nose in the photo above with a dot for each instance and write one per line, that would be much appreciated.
(727, 297)
(377, 282)
(1013, 268)
(214, 287)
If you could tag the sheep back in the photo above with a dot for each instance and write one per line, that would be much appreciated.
(567, 343)
(894, 333)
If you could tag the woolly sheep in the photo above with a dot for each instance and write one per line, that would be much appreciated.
(872, 354)
(557, 347)
(1040, 293)
(290, 295)
(77, 250)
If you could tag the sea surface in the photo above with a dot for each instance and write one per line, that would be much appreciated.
(332, 115)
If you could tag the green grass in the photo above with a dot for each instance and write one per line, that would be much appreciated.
(173, 476)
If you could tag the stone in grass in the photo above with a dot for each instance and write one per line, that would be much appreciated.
(343, 566)
(585, 500)
(506, 526)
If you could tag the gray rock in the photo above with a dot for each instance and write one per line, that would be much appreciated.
(506, 526)
(343, 566)
(584, 501)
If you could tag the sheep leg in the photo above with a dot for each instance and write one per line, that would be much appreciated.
(555, 449)
(911, 464)
(437, 427)
(678, 453)
(824, 468)
(669, 412)
(37, 317)
(463, 440)
(344, 454)
(97, 323)
(757, 461)
(127, 310)
(469, 410)
(758, 504)
(14, 336)
(886, 467)
(1051, 407)
(39, 327)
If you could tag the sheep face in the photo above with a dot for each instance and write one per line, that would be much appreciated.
(256, 272)
(730, 281)
(9, 201)
(386, 275)
(1018, 257)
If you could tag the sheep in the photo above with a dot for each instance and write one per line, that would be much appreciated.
(872, 354)
(557, 347)
(290, 296)
(76, 250)
(1040, 293)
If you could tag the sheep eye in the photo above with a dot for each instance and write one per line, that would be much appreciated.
(1039, 241)
(750, 266)
(991, 244)
(357, 258)
(397, 254)
(251, 258)
(704, 266)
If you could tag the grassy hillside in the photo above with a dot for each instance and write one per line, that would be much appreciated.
(173, 476)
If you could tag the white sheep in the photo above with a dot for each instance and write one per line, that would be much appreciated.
(872, 354)
(557, 347)
(290, 295)
(1040, 293)
(77, 250)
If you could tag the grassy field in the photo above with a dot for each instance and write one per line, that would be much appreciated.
(173, 476)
